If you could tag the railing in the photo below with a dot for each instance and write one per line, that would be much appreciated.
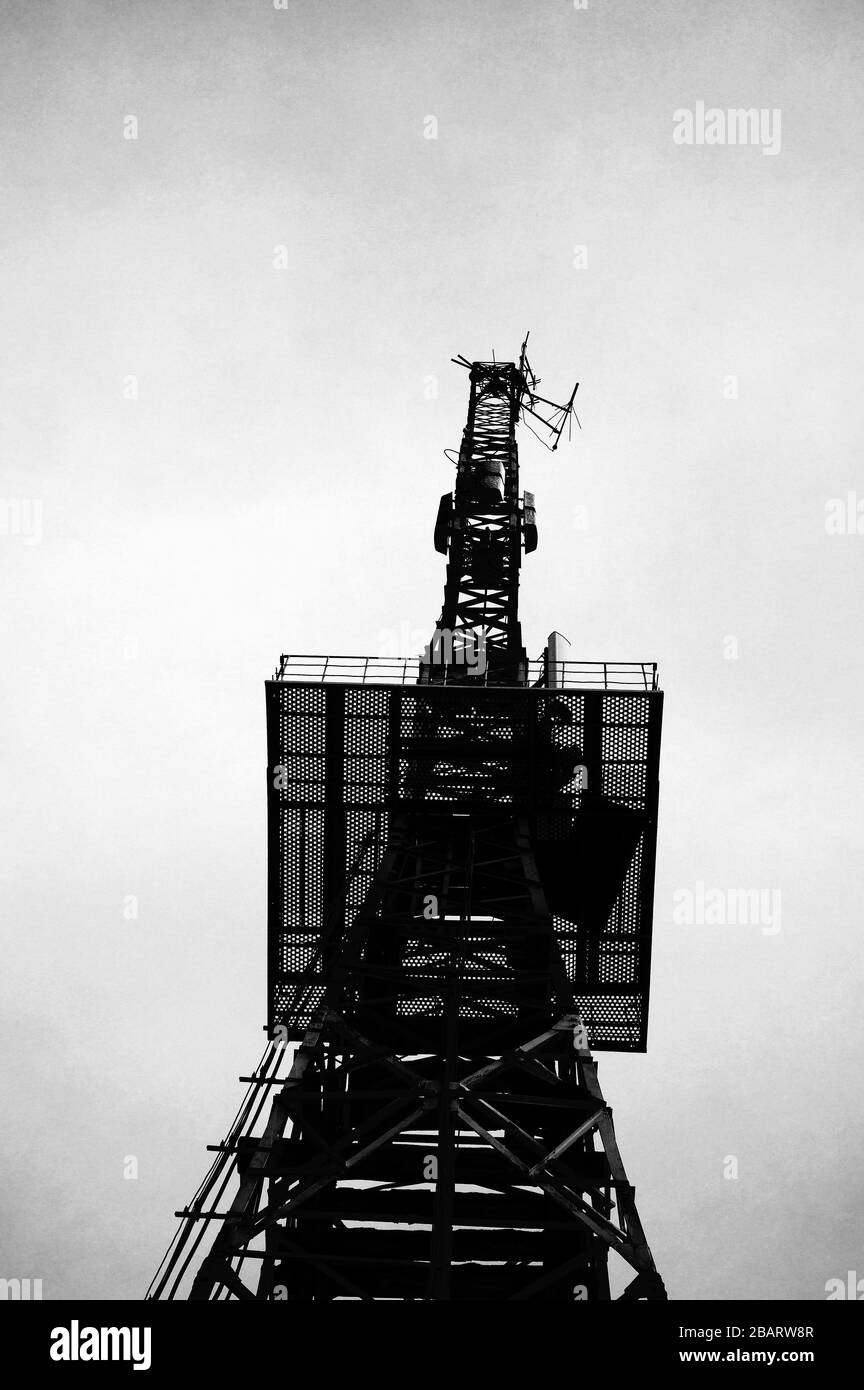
(405, 670)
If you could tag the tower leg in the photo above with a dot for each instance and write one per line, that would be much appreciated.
(427, 1141)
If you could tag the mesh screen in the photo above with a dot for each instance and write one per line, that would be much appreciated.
(344, 759)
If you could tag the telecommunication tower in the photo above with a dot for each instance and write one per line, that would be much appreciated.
(461, 872)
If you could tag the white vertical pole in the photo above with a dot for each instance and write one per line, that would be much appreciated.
(558, 649)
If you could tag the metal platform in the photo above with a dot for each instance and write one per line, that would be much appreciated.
(347, 758)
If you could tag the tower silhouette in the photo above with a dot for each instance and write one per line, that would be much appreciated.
(461, 861)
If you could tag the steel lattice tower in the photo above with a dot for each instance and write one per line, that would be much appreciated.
(461, 855)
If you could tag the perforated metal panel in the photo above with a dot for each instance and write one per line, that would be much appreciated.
(344, 759)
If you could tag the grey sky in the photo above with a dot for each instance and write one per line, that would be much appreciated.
(273, 487)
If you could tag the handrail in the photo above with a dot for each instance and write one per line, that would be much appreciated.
(402, 670)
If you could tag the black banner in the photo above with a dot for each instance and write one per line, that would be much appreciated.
(60, 1339)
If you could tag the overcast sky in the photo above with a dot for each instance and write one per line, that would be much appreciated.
(226, 392)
